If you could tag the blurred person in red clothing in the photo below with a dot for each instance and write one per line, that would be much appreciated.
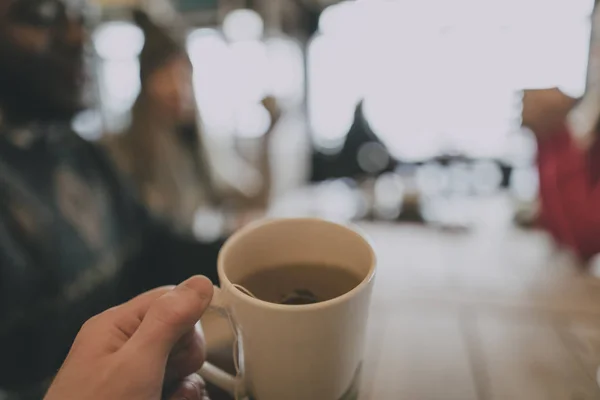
(569, 171)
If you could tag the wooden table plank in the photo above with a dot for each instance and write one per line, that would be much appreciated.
(491, 314)
(378, 321)
(582, 337)
(423, 356)
(525, 359)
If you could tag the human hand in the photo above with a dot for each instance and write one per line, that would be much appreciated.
(270, 104)
(145, 349)
(545, 111)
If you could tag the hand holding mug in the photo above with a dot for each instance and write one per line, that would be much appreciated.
(145, 349)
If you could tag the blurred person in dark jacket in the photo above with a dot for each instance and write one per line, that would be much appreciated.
(73, 241)
(164, 151)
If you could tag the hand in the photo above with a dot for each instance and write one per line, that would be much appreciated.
(270, 104)
(545, 111)
(145, 349)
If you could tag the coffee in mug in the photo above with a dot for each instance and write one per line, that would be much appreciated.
(297, 284)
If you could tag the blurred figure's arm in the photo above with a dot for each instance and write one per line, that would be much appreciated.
(569, 192)
(163, 256)
(18, 347)
(166, 258)
(568, 186)
(158, 255)
(244, 185)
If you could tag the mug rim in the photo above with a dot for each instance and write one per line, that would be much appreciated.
(238, 235)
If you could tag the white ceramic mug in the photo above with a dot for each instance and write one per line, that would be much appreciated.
(295, 352)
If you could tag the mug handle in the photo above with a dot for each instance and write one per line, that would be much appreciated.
(233, 385)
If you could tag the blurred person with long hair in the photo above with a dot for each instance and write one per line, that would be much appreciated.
(164, 152)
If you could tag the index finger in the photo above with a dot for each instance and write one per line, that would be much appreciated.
(128, 316)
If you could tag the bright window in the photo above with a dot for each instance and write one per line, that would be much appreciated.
(442, 76)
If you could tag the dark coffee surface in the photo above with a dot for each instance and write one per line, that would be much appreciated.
(300, 283)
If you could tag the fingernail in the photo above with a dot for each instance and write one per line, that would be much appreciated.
(201, 285)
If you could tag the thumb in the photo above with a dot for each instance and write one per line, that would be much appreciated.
(172, 315)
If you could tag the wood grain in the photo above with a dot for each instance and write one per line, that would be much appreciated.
(423, 356)
(526, 359)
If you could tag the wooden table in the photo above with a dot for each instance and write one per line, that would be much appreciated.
(490, 314)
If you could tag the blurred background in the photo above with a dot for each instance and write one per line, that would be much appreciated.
(411, 118)
(401, 108)
(392, 112)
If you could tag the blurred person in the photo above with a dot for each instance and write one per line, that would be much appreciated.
(73, 241)
(362, 155)
(569, 171)
(164, 151)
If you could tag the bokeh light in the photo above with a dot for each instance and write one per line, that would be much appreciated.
(118, 45)
(244, 24)
(252, 121)
(118, 40)
(442, 82)
(231, 78)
